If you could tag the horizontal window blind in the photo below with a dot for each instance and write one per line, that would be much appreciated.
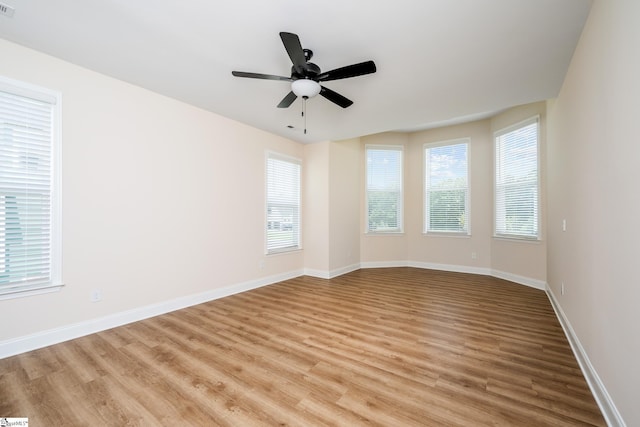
(283, 203)
(516, 181)
(446, 187)
(26, 191)
(384, 189)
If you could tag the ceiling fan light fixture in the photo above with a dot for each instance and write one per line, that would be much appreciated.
(305, 88)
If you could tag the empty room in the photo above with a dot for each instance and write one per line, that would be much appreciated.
(411, 213)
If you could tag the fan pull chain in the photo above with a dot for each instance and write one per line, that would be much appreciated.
(304, 112)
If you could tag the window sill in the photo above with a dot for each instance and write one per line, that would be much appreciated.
(445, 234)
(521, 239)
(19, 293)
(283, 251)
(384, 233)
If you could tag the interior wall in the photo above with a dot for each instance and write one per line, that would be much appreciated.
(520, 258)
(593, 185)
(473, 251)
(517, 260)
(160, 199)
(378, 249)
(344, 205)
(316, 208)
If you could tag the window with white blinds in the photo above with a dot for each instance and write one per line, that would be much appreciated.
(384, 189)
(517, 181)
(29, 222)
(283, 203)
(447, 187)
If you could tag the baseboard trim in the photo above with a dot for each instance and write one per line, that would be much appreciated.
(53, 336)
(384, 264)
(522, 280)
(609, 411)
(57, 335)
(451, 267)
(323, 274)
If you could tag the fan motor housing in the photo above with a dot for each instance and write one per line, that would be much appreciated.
(311, 72)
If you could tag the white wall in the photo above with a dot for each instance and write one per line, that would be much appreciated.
(161, 200)
(593, 173)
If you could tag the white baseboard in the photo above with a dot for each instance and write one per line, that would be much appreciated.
(609, 411)
(323, 274)
(384, 264)
(53, 336)
(451, 267)
(485, 271)
(57, 335)
(527, 281)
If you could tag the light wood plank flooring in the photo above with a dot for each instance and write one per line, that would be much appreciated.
(381, 347)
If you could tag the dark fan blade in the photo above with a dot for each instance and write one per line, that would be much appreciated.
(335, 97)
(260, 76)
(294, 49)
(354, 70)
(287, 100)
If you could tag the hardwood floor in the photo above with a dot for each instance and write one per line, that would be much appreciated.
(384, 347)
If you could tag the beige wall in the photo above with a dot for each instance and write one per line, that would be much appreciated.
(316, 208)
(593, 175)
(147, 182)
(344, 205)
(160, 199)
(521, 261)
(331, 207)
(381, 248)
(516, 257)
(447, 250)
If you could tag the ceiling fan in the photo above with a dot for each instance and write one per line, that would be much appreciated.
(306, 76)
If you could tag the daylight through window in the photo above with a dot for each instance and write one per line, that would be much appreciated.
(283, 203)
(384, 189)
(447, 187)
(516, 181)
(29, 246)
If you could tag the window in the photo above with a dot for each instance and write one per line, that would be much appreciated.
(283, 203)
(447, 187)
(516, 181)
(384, 189)
(29, 190)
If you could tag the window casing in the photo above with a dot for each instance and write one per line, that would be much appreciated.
(446, 187)
(384, 192)
(30, 244)
(517, 181)
(283, 203)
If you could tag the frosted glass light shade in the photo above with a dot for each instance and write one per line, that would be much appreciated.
(305, 87)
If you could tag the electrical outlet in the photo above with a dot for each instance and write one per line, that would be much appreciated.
(562, 288)
(564, 225)
(96, 295)
(474, 255)
(261, 264)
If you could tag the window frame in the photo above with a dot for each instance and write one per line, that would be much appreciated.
(400, 209)
(54, 98)
(298, 244)
(538, 225)
(425, 194)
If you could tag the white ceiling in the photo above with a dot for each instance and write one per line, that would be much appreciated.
(439, 61)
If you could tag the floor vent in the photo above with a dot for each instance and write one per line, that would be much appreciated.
(6, 10)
